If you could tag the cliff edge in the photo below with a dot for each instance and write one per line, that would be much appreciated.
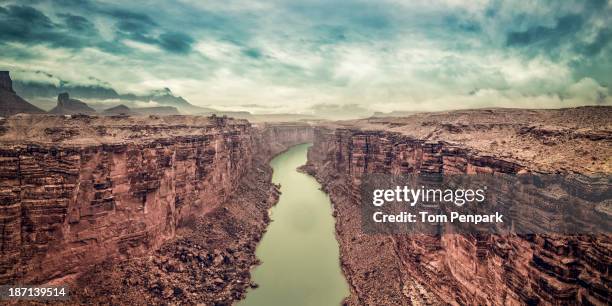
(486, 269)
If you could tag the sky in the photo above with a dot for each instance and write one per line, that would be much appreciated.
(331, 56)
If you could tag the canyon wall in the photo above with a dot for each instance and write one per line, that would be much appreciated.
(458, 269)
(79, 190)
(274, 138)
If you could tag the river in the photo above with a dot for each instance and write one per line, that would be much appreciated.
(299, 251)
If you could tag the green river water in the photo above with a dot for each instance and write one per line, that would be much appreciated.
(299, 251)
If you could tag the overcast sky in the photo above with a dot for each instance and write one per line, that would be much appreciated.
(293, 56)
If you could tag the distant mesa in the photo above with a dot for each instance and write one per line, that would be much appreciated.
(118, 110)
(10, 102)
(99, 98)
(96, 95)
(67, 106)
(158, 110)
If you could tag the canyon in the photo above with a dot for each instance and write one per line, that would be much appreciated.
(467, 269)
(169, 209)
(84, 191)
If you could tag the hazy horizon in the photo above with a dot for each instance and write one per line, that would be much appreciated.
(316, 57)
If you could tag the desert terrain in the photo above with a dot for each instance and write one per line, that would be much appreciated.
(514, 269)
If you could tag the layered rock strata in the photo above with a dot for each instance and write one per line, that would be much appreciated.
(466, 269)
(82, 190)
(208, 262)
(277, 137)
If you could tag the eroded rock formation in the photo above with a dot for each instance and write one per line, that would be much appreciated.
(6, 83)
(85, 198)
(277, 137)
(10, 102)
(67, 106)
(78, 191)
(466, 269)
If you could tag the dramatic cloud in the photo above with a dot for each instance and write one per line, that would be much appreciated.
(176, 42)
(549, 37)
(325, 56)
(28, 25)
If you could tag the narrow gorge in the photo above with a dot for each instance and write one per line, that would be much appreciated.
(81, 192)
(170, 209)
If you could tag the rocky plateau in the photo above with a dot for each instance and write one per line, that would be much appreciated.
(539, 269)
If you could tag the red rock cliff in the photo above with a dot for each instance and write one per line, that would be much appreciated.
(79, 190)
(277, 137)
(457, 269)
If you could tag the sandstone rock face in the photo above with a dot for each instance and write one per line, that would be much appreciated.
(456, 269)
(10, 102)
(67, 106)
(277, 137)
(76, 191)
(207, 263)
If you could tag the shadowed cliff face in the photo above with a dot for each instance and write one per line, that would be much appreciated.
(277, 137)
(5, 81)
(10, 102)
(458, 269)
(77, 191)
